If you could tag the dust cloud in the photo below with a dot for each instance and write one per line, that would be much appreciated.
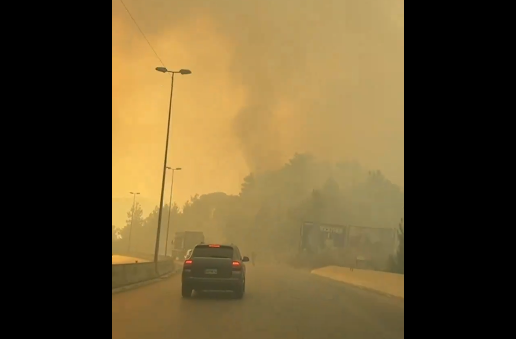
(269, 78)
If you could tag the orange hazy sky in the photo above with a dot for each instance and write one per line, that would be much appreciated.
(269, 78)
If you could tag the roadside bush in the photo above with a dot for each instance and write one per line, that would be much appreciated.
(397, 262)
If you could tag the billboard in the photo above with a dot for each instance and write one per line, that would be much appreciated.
(316, 236)
(363, 240)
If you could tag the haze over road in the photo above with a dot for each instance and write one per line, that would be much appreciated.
(280, 302)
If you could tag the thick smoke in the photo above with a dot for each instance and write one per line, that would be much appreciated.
(318, 76)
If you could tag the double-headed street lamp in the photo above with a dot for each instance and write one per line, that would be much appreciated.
(132, 219)
(170, 204)
(182, 72)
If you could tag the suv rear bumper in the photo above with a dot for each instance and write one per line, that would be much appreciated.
(212, 283)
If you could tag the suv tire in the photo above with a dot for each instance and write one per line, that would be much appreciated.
(186, 291)
(239, 291)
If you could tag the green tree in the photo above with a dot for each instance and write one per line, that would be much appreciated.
(271, 206)
(113, 233)
(167, 227)
(150, 227)
(134, 231)
(397, 262)
(248, 185)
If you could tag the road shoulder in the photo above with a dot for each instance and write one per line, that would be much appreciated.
(389, 284)
(141, 284)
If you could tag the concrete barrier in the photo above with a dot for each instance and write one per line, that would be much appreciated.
(122, 259)
(128, 274)
(383, 282)
(145, 256)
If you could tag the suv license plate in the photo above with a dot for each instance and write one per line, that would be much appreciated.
(210, 271)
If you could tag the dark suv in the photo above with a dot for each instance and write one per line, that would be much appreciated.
(214, 267)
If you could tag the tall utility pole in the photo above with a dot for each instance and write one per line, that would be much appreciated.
(160, 213)
(170, 204)
(132, 219)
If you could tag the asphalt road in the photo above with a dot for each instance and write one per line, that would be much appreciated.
(280, 303)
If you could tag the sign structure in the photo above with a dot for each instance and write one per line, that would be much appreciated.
(351, 235)
(318, 236)
(331, 229)
(360, 244)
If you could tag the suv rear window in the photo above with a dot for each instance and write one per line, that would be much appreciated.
(212, 252)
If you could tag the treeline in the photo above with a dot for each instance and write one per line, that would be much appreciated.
(271, 206)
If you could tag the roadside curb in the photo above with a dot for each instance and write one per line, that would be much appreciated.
(369, 289)
(143, 283)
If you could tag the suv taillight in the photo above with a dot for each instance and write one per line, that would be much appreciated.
(188, 263)
(236, 266)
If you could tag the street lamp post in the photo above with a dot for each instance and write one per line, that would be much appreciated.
(170, 204)
(182, 72)
(132, 219)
